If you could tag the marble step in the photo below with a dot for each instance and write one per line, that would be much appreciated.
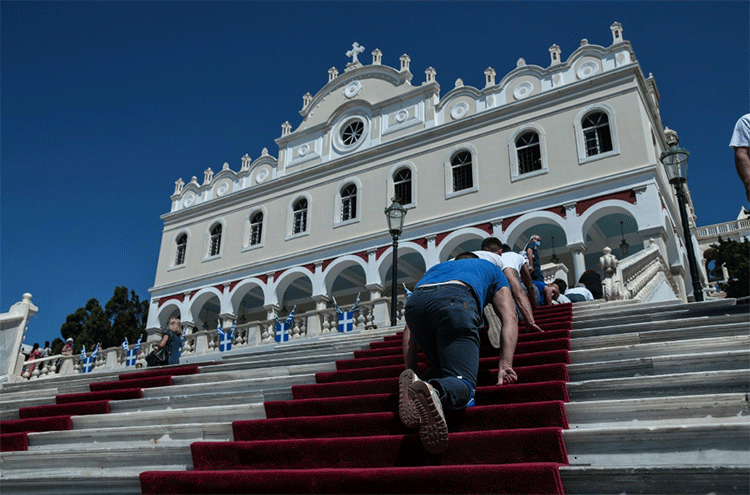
(610, 327)
(95, 461)
(666, 385)
(656, 480)
(616, 352)
(660, 365)
(692, 330)
(647, 411)
(719, 444)
(123, 437)
(593, 310)
(79, 481)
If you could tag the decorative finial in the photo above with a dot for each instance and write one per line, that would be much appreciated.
(521, 62)
(459, 82)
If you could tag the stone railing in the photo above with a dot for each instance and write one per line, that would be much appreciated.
(246, 335)
(639, 276)
(722, 229)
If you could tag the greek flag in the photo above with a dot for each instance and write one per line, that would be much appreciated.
(87, 362)
(346, 318)
(283, 328)
(225, 339)
(408, 292)
(132, 354)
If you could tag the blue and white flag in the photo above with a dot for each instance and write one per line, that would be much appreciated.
(283, 328)
(182, 342)
(408, 292)
(87, 362)
(132, 354)
(346, 318)
(225, 339)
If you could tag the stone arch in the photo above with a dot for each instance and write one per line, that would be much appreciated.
(469, 239)
(600, 228)
(205, 307)
(248, 299)
(529, 220)
(345, 277)
(412, 263)
(300, 281)
(168, 310)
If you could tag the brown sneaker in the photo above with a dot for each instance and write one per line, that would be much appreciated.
(494, 326)
(407, 410)
(433, 430)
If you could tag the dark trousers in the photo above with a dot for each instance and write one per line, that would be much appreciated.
(445, 320)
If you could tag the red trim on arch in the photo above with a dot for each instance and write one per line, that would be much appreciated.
(560, 210)
(508, 221)
(422, 242)
(363, 255)
(162, 300)
(439, 238)
(487, 227)
(220, 288)
(263, 278)
(310, 266)
(233, 285)
(628, 195)
(380, 251)
(276, 274)
(325, 264)
(194, 293)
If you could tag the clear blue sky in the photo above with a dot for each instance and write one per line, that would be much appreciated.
(106, 104)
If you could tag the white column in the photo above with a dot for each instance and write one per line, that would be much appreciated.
(432, 253)
(579, 262)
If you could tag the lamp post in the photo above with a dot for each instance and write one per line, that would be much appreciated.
(394, 214)
(554, 258)
(624, 246)
(675, 161)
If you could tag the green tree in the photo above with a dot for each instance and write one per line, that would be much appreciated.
(57, 345)
(736, 257)
(128, 315)
(87, 326)
(124, 315)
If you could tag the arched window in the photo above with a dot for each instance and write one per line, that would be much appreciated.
(299, 223)
(348, 202)
(461, 168)
(256, 228)
(215, 244)
(181, 250)
(596, 133)
(529, 153)
(402, 185)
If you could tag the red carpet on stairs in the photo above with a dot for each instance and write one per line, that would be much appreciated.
(342, 434)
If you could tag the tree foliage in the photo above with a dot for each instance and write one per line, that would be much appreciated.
(124, 315)
(735, 256)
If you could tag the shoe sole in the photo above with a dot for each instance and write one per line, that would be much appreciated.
(494, 326)
(433, 430)
(407, 410)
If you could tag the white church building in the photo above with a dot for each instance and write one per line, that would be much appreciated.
(569, 151)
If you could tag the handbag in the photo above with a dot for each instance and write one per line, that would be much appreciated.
(158, 357)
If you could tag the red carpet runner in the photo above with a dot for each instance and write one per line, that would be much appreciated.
(341, 434)
(55, 417)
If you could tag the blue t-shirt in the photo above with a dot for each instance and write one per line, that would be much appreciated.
(483, 277)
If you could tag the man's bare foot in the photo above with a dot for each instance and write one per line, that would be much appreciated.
(506, 376)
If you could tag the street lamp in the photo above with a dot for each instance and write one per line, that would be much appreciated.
(675, 161)
(394, 214)
(624, 246)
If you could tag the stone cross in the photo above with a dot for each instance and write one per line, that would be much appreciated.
(356, 49)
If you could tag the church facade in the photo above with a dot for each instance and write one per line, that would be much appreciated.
(569, 151)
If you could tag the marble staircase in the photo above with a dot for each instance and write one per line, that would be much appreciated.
(658, 404)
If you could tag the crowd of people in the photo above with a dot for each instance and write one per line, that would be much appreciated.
(445, 313)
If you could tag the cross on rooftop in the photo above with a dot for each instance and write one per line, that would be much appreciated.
(356, 49)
